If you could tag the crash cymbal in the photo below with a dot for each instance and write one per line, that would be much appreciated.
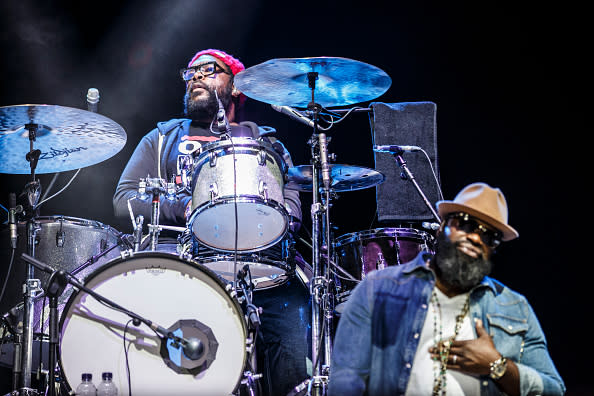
(343, 178)
(284, 81)
(68, 138)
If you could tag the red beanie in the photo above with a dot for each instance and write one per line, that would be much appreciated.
(234, 64)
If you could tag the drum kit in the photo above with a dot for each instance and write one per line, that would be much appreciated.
(115, 317)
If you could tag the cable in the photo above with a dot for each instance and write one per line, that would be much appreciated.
(127, 361)
(59, 192)
(433, 173)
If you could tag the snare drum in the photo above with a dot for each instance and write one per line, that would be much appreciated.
(178, 294)
(251, 209)
(359, 253)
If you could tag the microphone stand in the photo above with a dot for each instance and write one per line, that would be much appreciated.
(407, 175)
(55, 287)
(64, 278)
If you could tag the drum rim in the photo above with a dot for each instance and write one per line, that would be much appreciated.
(136, 255)
(74, 220)
(391, 232)
(241, 258)
(243, 142)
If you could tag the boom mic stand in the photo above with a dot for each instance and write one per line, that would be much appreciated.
(190, 346)
(407, 175)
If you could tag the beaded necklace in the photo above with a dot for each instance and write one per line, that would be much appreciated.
(440, 367)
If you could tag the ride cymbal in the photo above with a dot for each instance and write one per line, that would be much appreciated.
(285, 81)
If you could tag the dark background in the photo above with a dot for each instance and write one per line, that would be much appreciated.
(508, 81)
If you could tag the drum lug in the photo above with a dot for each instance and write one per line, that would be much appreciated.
(263, 190)
(262, 157)
(214, 191)
(212, 159)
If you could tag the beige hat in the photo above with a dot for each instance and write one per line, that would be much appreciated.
(483, 202)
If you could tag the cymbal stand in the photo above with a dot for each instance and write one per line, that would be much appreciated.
(31, 286)
(407, 175)
(320, 284)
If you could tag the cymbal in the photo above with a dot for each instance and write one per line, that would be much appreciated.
(68, 138)
(343, 178)
(284, 81)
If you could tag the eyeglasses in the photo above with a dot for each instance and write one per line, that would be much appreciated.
(206, 69)
(468, 224)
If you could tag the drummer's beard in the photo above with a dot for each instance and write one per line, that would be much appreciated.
(206, 109)
(457, 269)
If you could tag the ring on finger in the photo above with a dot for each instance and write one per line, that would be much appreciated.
(454, 359)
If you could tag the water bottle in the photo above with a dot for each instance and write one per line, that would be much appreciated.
(86, 387)
(107, 386)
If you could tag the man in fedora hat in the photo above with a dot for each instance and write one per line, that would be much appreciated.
(439, 324)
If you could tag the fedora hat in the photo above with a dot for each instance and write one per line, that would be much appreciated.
(483, 202)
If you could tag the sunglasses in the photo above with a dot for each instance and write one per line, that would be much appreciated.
(468, 224)
(206, 69)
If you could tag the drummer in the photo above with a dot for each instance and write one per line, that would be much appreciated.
(282, 347)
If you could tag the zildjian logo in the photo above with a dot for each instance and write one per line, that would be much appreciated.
(53, 153)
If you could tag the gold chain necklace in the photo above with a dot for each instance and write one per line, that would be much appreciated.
(439, 380)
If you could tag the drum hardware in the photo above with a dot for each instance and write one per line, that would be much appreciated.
(315, 83)
(153, 188)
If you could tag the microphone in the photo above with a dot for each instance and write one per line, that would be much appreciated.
(12, 220)
(394, 149)
(221, 117)
(92, 99)
(324, 160)
(294, 114)
(13, 210)
(193, 348)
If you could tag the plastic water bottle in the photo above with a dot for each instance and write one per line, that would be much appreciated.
(86, 387)
(107, 386)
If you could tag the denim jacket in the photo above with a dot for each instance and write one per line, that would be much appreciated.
(378, 333)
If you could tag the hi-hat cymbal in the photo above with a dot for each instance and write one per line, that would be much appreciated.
(340, 82)
(343, 178)
(68, 138)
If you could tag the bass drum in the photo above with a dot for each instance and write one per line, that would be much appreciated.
(179, 294)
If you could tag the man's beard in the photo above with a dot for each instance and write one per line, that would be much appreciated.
(457, 269)
(206, 109)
